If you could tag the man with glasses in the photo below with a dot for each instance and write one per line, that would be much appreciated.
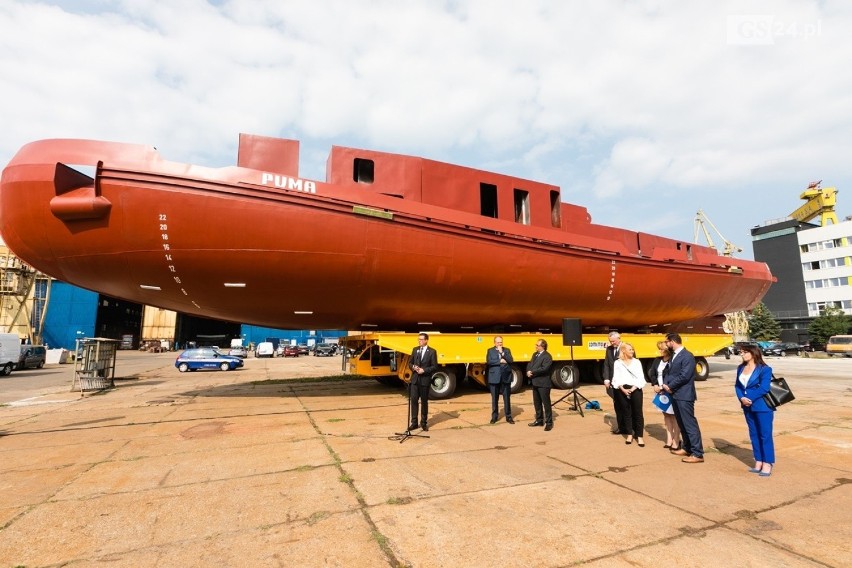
(538, 371)
(679, 382)
(423, 363)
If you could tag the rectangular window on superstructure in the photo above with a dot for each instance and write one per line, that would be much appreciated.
(488, 200)
(522, 206)
(555, 209)
(364, 170)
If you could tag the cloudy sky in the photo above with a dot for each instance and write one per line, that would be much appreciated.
(643, 112)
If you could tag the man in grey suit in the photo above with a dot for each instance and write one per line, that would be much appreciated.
(423, 363)
(498, 359)
(538, 371)
(680, 384)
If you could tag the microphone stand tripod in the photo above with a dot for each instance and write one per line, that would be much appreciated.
(403, 436)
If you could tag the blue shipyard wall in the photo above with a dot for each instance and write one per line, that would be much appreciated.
(71, 310)
(255, 334)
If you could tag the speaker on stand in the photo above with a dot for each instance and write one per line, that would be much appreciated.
(572, 334)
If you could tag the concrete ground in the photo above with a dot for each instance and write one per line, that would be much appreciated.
(261, 468)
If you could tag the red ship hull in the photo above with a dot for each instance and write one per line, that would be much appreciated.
(405, 250)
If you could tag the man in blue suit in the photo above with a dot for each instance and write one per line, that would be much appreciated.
(498, 359)
(680, 384)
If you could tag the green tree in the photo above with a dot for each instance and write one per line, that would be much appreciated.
(762, 324)
(832, 321)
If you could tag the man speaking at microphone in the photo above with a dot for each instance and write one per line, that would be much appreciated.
(423, 363)
(498, 359)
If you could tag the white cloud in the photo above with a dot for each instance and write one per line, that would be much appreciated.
(645, 100)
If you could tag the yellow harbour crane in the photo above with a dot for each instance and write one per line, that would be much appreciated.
(820, 201)
(736, 323)
(701, 222)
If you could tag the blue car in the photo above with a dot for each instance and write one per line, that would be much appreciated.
(206, 358)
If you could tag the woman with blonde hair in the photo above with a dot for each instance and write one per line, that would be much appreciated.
(656, 372)
(628, 379)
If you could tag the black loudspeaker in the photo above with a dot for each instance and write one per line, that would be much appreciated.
(572, 331)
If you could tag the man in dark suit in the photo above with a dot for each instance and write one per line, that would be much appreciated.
(679, 382)
(423, 363)
(612, 353)
(538, 370)
(498, 359)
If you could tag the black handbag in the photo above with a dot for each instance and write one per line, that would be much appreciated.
(779, 393)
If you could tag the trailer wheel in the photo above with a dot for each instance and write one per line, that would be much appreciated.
(517, 379)
(565, 375)
(443, 384)
(702, 369)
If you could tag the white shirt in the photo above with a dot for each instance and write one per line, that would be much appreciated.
(660, 368)
(630, 374)
(744, 377)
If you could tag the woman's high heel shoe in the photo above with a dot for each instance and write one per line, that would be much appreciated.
(767, 473)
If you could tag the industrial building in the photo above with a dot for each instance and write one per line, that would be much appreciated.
(812, 262)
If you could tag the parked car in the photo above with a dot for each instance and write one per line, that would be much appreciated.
(839, 345)
(324, 350)
(206, 358)
(264, 349)
(303, 349)
(240, 352)
(738, 344)
(32, 357)
(287, 350)
(781, 349)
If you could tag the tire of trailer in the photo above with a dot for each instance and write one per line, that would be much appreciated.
(565, 375)
(517, 379)
(443, 384)
(702, 369)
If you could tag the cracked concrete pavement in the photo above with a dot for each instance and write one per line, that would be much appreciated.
(261, 467)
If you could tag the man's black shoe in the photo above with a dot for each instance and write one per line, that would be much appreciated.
(412, 426)
(548, 428)
(536, 423)
(510, 421)
(425, 427)
(493, 421)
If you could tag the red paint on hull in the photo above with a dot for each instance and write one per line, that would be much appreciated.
(405, 247)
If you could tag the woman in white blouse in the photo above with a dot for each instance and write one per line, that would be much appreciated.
(628, 379)
(655, 375)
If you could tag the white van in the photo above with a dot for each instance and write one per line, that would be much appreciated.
(264, 349)
(10, 352)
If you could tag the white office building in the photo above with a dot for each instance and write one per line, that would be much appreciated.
(826, 254)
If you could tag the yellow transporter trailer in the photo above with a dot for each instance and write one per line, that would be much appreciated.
(384, 356)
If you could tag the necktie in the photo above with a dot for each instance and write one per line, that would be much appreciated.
(422, 353)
